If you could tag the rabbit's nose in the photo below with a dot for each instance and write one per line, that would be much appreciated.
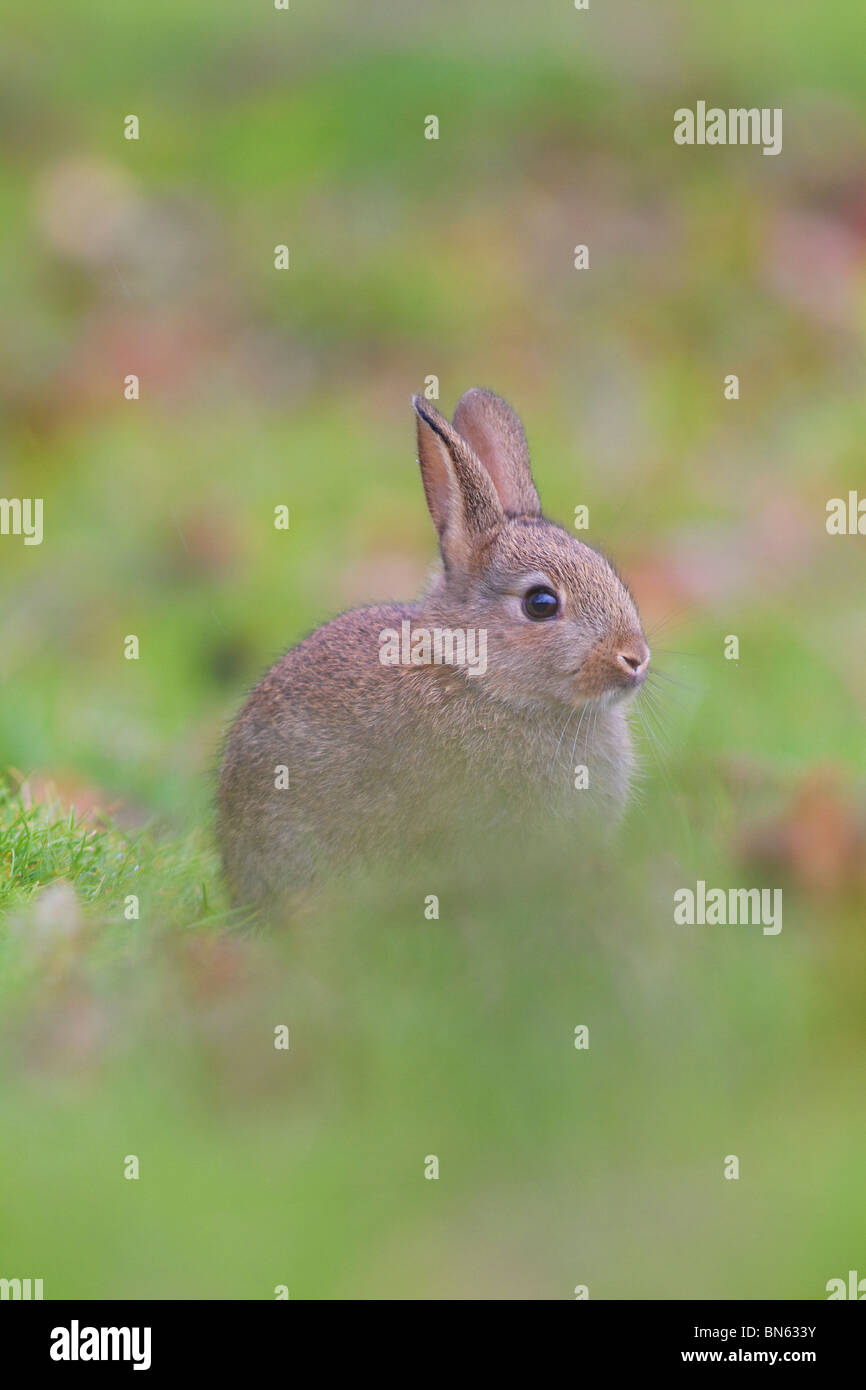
(633, 659)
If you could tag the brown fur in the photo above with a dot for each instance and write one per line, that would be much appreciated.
(385, 759)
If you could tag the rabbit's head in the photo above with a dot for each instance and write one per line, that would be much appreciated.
(561, 627)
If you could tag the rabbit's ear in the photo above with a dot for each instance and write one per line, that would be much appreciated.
(496, 435)
(462, 499)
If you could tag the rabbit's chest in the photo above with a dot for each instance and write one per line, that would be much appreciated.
(559, 764)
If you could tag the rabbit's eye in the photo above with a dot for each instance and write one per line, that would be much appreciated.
(540, 603)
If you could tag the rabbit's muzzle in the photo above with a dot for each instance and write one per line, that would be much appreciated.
(615, 667)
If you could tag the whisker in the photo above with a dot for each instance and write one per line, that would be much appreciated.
(566, 722)
(657, 698)
(659, 692)
(590, 738)
(658, 750)
(576, 737)
(655, 674)
(671, 651)
(666, 621)
(651, 721)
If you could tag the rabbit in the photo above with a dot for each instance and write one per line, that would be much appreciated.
(383, 754)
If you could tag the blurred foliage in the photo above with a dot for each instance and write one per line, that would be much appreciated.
(409, 258)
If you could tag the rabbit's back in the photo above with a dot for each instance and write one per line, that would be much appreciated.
(299, 755)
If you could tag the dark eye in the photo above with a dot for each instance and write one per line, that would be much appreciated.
(540, 603)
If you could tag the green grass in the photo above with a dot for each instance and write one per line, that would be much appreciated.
(153, 1034)
(411, 1037)
(42, 844)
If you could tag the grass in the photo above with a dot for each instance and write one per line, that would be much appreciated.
(411, 1037)
(42, 843)
(153, 1034)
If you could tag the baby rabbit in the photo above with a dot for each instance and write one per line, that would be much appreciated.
(408, 723)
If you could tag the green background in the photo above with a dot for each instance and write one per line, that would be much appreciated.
(412, 257)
